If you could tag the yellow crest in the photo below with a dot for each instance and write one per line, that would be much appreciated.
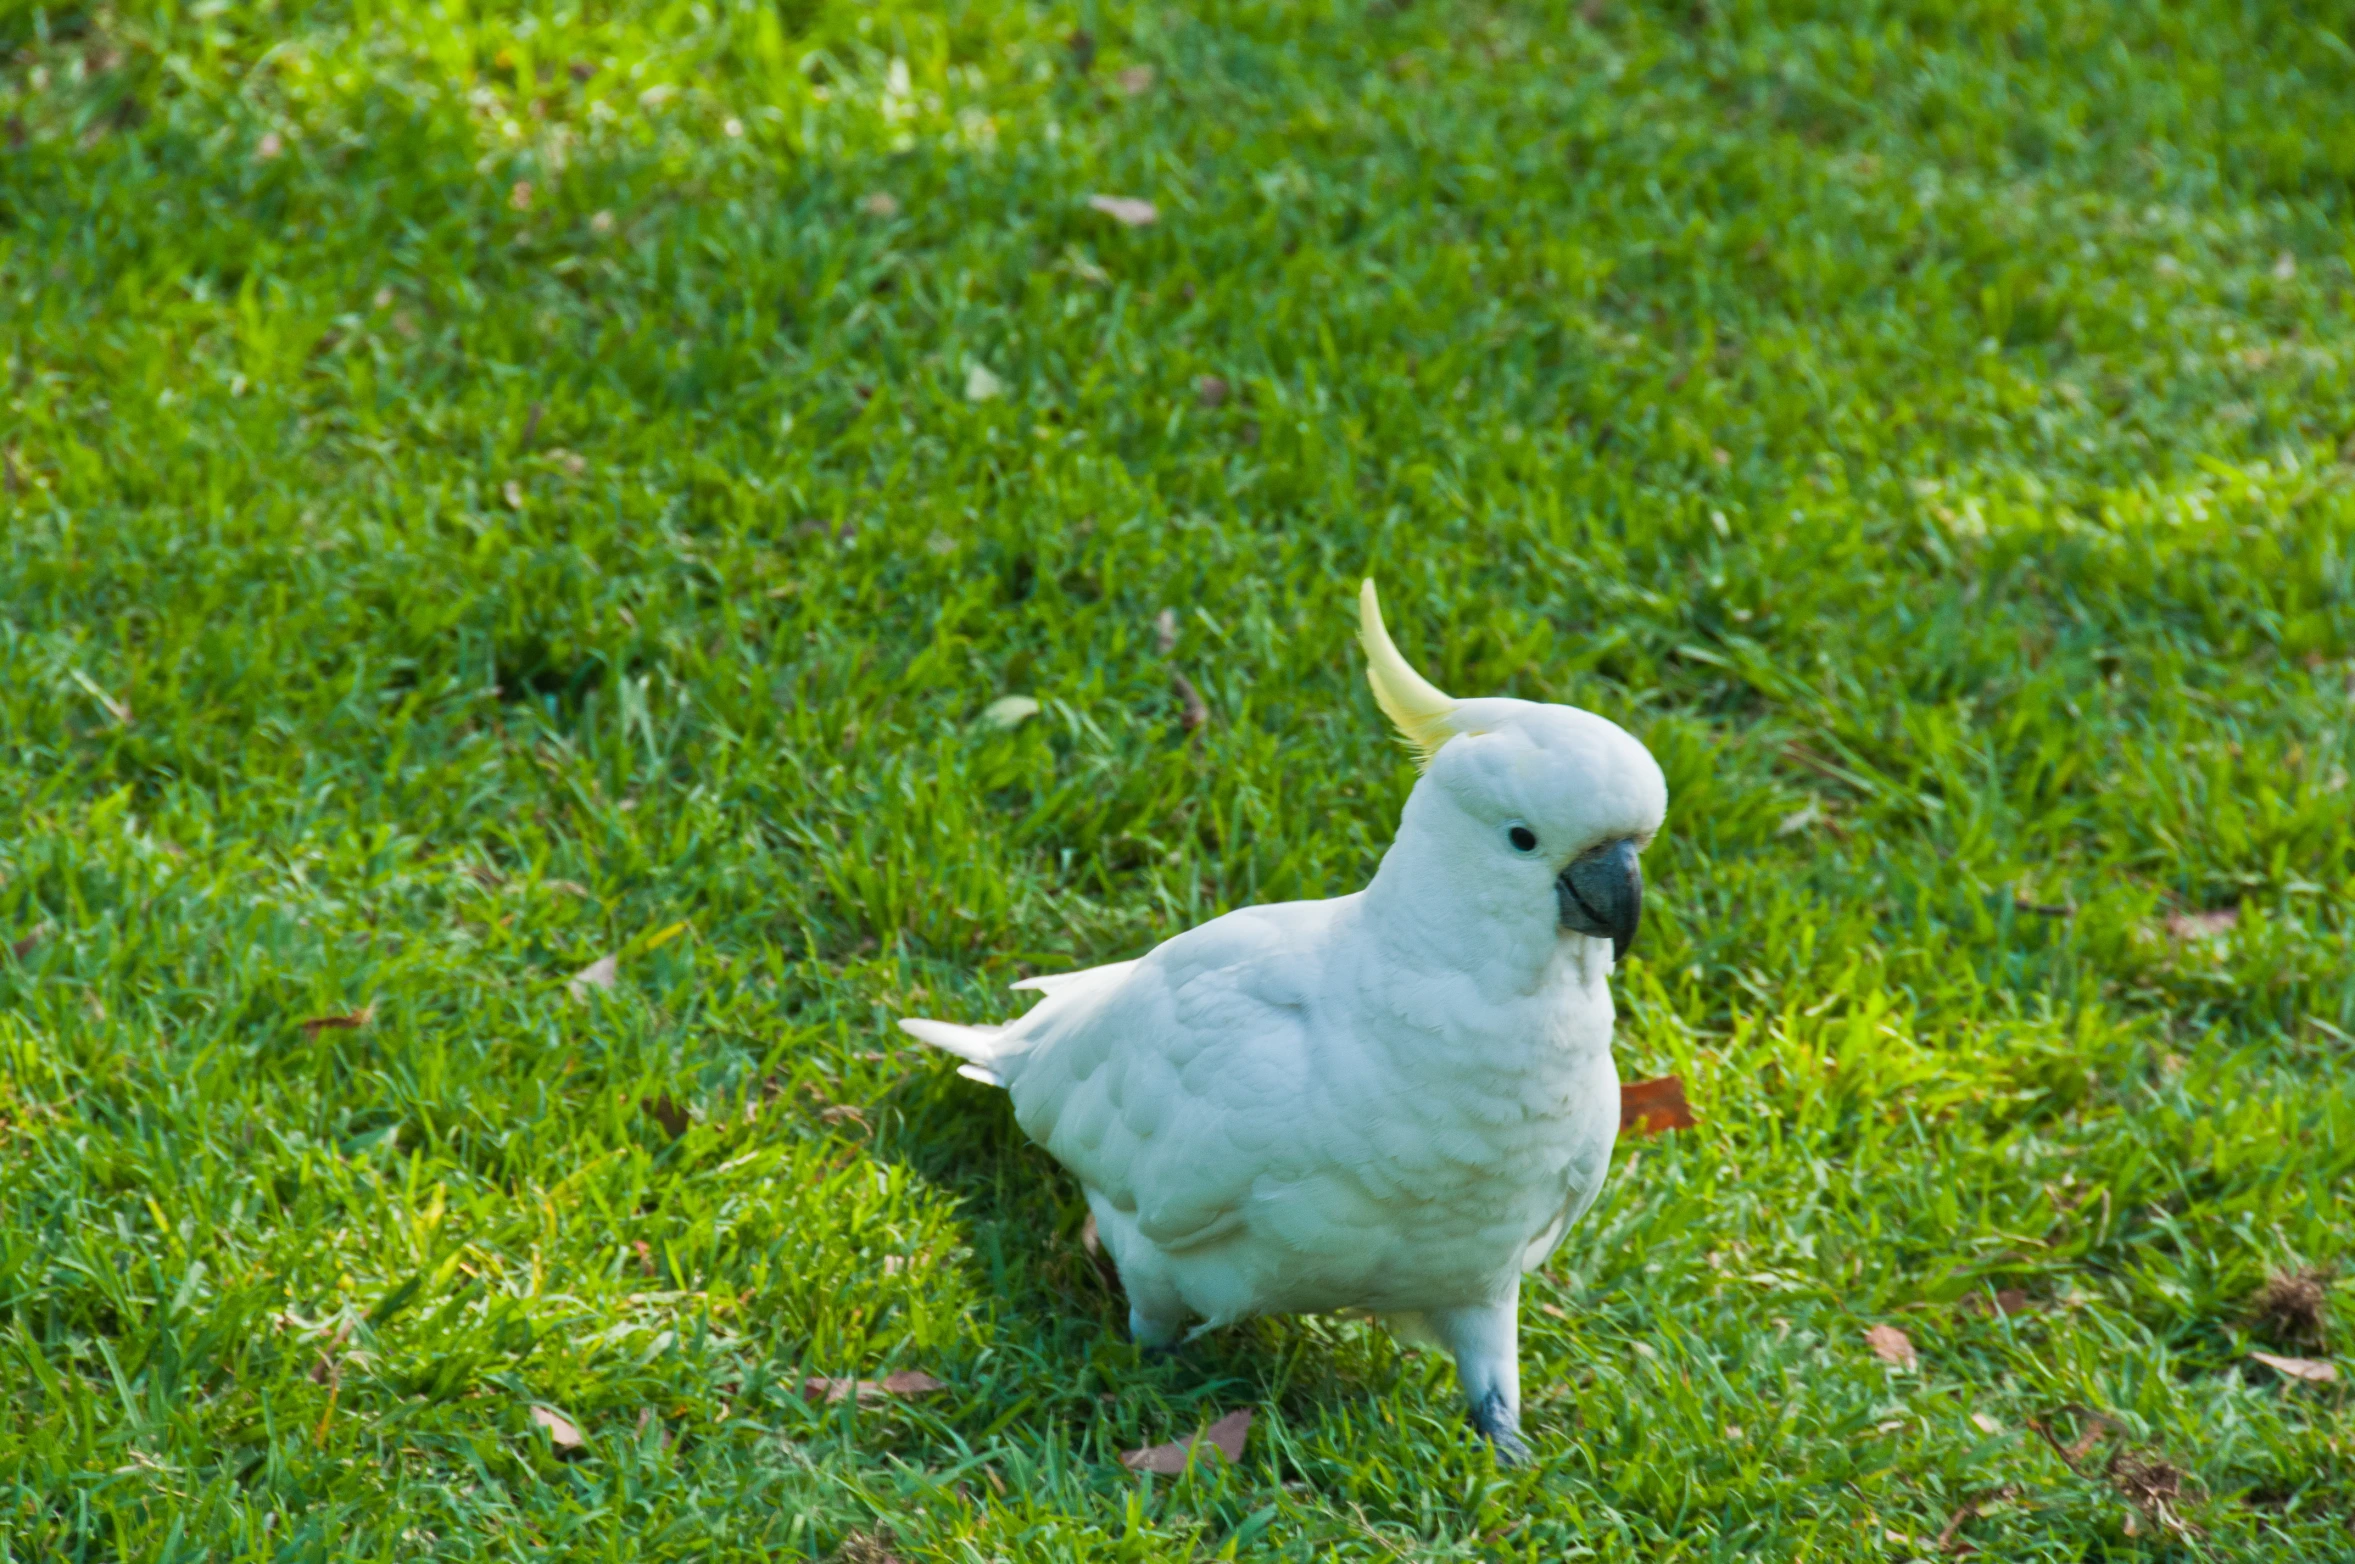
(1422, 713)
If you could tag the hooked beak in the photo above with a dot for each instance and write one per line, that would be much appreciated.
(1602, 894)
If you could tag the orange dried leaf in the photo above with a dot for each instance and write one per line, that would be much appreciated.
(1127, 211)
(562, 1433)
(1890, 1345)
(1226, 1436)
(1651, 1107)
(911, 1382)
(597, 974)
(351, 1022)
(2203, 925)
(2307, 1369)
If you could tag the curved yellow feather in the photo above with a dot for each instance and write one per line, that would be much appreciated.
(1421, 711)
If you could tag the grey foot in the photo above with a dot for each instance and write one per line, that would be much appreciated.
(1501, 1428)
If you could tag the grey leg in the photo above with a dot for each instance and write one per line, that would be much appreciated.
(1486, 1342)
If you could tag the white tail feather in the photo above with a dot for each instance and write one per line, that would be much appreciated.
(1053, 983)
(980, 1046)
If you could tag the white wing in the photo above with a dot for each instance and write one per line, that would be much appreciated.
(1169, 1091)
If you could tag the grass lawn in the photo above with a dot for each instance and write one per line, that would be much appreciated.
(494, 488)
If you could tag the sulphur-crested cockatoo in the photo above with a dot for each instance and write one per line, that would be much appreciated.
(1394, 1101)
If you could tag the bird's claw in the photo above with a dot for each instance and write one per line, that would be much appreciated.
(1498, 1424)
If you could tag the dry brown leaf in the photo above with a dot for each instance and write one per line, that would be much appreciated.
(2307, 1369)
(1210, 390)
(2203, 925)
(2006, 1300)
(2095, 1427)
(1196, 716)
(1226, 1436)
(1136, 81)
(843, 1113)
(268, 147)
(1127, 211)
(673, 1118)
(868, 1547)
(1165, 631)
(1891, 1345)
(351, 1022)
(1654, 1106)
(597, 974)
(24, 946)
(520, 197)
(881, 204)
(512, 493)
(561, 1432)
(908, 1382)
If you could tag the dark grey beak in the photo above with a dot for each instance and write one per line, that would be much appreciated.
(1602, 894)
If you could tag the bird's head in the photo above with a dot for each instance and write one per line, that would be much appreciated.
(1542, 807)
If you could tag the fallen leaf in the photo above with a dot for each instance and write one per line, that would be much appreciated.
(561, 1432)
(1136, 81)
(2006, 1300)
(1799, 819)
(1165, 631)
(1890, 1345)
(981, 385)
(868, 1547)
(673, 1118)
(597, 974)
(1654, 1106)
(1210, 390)
(910, 1382)
(1985, 1424)
(2307, 1369)
(843, 1112)
(2096, 1425)
(1127, 211)
(2203, 925)
(1009, 711)
(520, 197)
(512, 493)
(23, 947)
(881, 204)
(268, 147)
(1196, 715)
(351, 1022)
(1948, 1540)
(1226, 1436)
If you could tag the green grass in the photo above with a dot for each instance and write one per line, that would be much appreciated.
(1922, 423)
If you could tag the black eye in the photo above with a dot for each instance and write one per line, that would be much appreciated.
(1523, 839)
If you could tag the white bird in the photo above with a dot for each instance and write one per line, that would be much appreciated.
(1394, 1101)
